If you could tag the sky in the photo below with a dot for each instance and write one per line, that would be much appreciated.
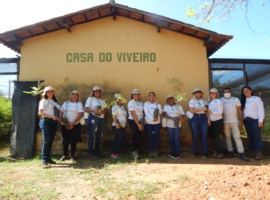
(251, 37)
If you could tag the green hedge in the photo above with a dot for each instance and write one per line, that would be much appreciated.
(5, 119)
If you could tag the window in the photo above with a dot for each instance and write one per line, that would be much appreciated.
(9, 71)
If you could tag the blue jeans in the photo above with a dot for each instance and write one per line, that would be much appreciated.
(118, 138)
(254, 134)
(96, 127)
(153, 136)
(174, 140)
(199, 127)
(48, 128)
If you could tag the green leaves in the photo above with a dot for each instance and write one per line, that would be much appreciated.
(35, 90)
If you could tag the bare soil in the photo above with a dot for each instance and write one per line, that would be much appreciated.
(185, 178)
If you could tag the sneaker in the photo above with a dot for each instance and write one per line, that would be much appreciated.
(116, 156)
(243, 157)
(214, 155)
(171, 155)
(230, 154)
(135, 154)
(62, 159)
(51, 162)
(196, 154)
(258, 156)
(176, 156)
(220, 156)
(205, 156)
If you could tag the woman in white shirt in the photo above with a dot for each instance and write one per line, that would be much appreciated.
(135, 119)
(72, 112)
(215, 111)
(119, 123)
(49, 110)
(152, 111)
(253, 110)
(96, 107)
(199, 122)
(173, 114)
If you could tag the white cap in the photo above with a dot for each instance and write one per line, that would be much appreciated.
(135, 91)
(213, 90)
(197, 90)
(47, 89)
(169, 96)
(75, 92)
(96, 88)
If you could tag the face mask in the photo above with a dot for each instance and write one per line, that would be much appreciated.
(227, 95)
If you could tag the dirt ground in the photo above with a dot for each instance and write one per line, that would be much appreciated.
(185, 178)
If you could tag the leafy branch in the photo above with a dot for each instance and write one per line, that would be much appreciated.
(35, 90)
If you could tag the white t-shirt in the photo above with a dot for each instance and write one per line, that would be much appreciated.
(121, 115)
(149, 109)
(216, 106)
(230, 109)
(197, 104)
(71, 109)
(47, 106)
(173, 111)
(254, 108)
(136, 106)
(95, 103)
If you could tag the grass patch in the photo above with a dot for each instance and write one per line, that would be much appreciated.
(25, 179)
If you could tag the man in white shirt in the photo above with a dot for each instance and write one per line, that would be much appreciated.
(232, 108)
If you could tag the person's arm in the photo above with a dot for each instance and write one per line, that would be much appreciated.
(241, 118)
(261, 112)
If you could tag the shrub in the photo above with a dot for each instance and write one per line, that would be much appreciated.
(5, 119)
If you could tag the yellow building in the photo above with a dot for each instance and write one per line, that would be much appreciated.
(118, 47)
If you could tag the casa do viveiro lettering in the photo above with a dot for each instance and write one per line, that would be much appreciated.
(84, 57)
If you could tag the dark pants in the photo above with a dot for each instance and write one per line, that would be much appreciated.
(199, 127)
(71, 137)
(96, 127)
(118, 138)
(174, 140)
(136, 134)
(254, 134)
(153, 136)
(217, 135)
(48, 128)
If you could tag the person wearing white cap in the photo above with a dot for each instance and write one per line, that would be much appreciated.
(232, 109)
(215, 110)
(199, 122)
(72, 112)
(173, 112)
(96, 106)
(152, 110)
(49, 110)
(253, 111)
(119, 123)
(135, 119)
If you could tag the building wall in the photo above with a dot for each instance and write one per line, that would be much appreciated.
(93, 53)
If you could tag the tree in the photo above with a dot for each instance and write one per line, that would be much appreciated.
(220, 9)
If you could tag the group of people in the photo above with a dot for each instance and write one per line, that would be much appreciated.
(216, 117)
